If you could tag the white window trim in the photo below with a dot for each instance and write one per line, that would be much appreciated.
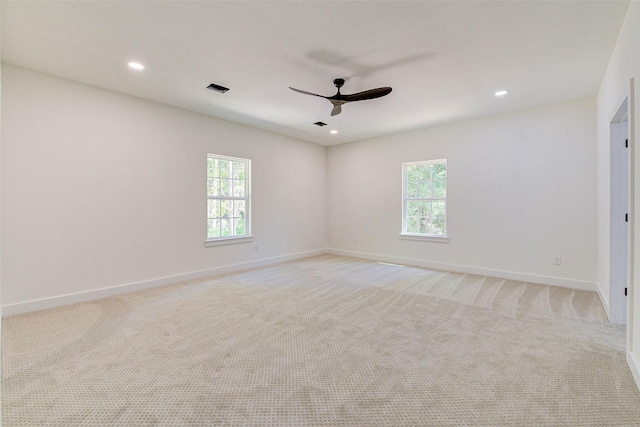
(219, 241)
(425, 238)
(441, 238)
(227, 240)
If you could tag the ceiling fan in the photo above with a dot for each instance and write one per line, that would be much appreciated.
(338, 100)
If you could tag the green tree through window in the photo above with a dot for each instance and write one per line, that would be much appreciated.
(425, 198)
(228, 201)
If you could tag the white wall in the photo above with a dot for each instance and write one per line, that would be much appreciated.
(0, 233)
(521, 190)
(101, 190)
(623, 66)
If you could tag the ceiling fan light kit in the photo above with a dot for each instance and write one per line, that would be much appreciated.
(338, 100)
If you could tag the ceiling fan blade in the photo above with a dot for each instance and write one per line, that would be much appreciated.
(367, 94)
(339, 99)
(305, 92)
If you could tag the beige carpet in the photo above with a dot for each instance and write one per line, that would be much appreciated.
(322, 341)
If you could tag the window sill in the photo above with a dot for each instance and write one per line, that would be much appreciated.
(227, 241)
(439, 239)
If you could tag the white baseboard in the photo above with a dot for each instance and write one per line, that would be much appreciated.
(604, 299)
(634, 366)
(545, 280)
(57, 301)
(95, 294)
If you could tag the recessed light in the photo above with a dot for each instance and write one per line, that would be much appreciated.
(501, 93)
(136, 65)
(334, 131)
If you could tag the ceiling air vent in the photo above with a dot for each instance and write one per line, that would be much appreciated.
(320, 124)
(217, 88)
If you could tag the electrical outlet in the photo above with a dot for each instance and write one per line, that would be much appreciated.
(355, 240)
(557, 260)
(255, 248)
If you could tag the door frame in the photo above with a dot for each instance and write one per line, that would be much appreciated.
(620, 255)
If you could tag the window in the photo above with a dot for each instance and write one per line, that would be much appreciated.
(424, 204)
(228, 197)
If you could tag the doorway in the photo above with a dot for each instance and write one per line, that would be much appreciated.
(619, 263)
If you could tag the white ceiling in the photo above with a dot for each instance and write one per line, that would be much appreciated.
(444, 60)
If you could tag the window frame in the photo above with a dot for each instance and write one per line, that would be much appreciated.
(405, 199)
(221, 240)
